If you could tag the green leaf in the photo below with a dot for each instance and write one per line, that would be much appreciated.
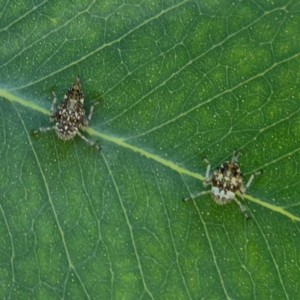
(178, 80)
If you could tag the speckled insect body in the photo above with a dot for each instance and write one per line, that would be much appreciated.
(226, 181)
(70, 115)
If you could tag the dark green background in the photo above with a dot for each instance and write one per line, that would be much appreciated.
(178, 80)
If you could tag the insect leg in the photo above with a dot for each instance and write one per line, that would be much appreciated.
(242, 207)
(93, 144)
(53, 103)
(193, 196)
(42, 129)
(235, 156)
(251, 178)
(207, 179)
(91, 112)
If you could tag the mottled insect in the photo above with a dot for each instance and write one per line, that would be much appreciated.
(226, 180)
(70, 115)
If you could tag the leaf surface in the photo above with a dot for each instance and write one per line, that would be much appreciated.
(178, 80)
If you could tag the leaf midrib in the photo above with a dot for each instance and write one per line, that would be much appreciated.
(121, 142)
